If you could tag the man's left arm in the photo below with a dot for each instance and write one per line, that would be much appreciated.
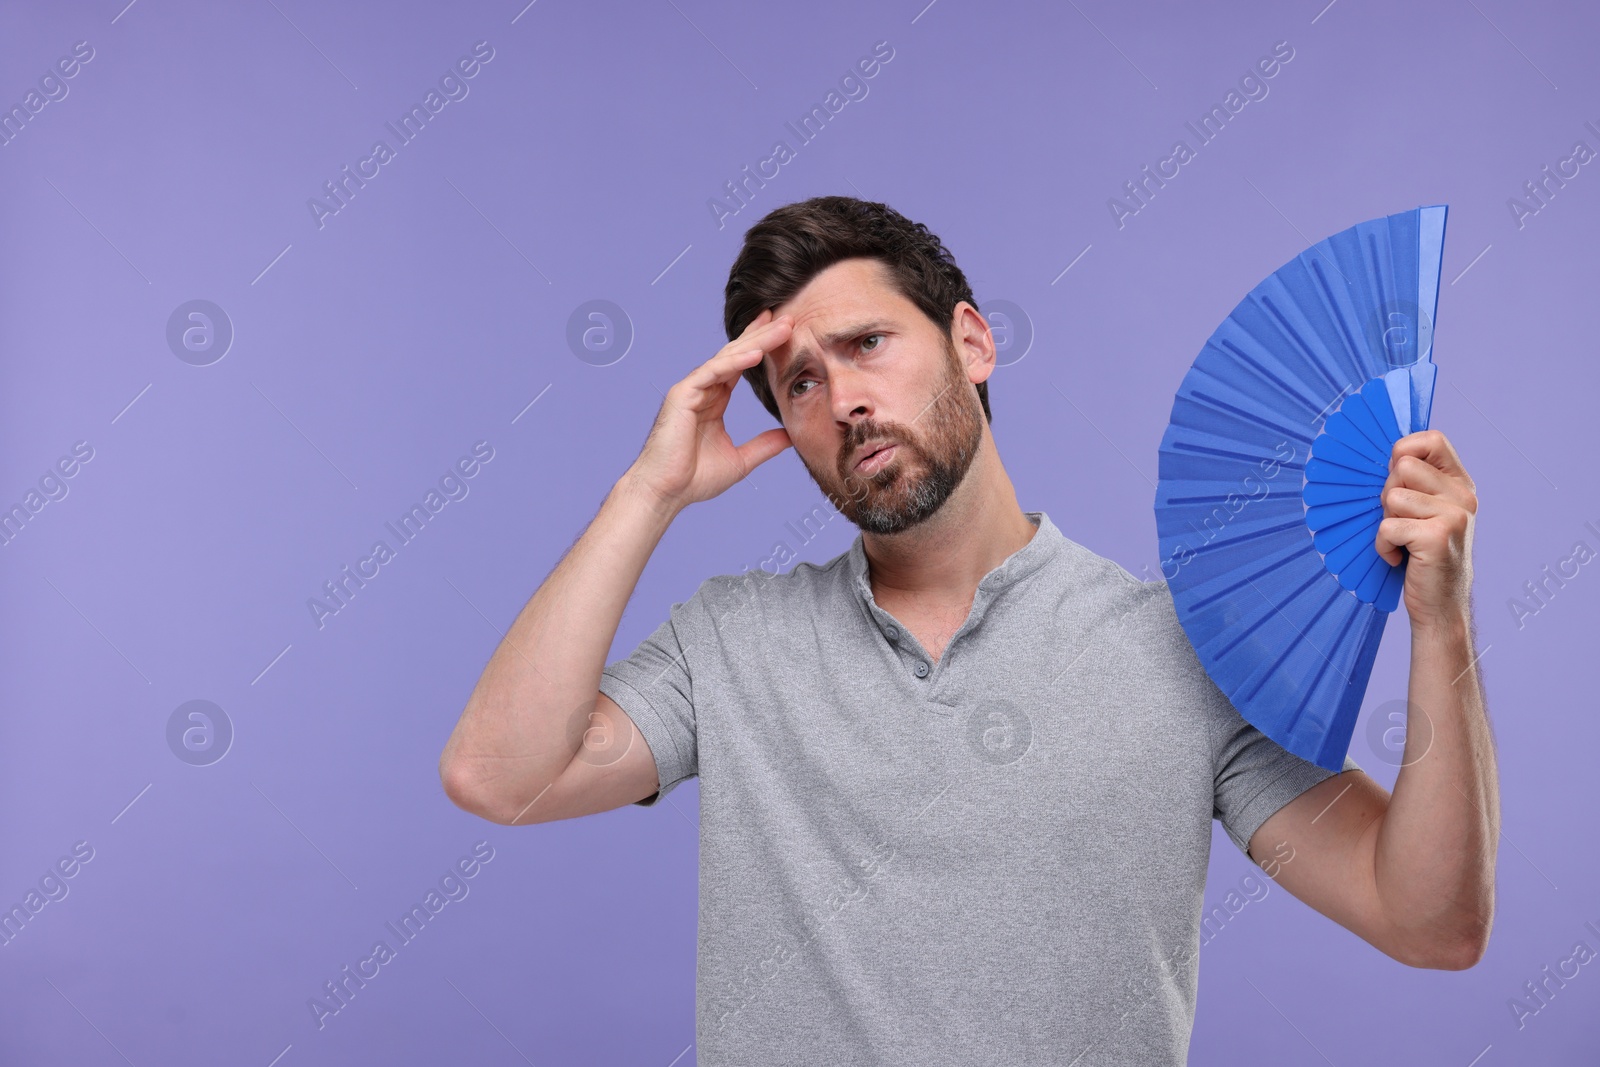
(1412, 873)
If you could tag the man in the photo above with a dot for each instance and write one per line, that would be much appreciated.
(957, 783)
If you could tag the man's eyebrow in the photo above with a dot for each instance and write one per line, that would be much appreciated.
(800, 359)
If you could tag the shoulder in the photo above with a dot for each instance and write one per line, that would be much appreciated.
(1109, 593)
(1139, 614)
(805, 585)
(1160, 627)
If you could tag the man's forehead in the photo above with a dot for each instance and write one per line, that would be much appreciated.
(832, 311)
(824, 321)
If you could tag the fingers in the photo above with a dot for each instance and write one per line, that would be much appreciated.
(756, 323)
(1433, 448)
(763, 334)
(1412, 504)
(745, 352)
(1392, 533)
(1412, 471)
(1425, 539)
(710, 385)
(762, 447)
(1421, 520)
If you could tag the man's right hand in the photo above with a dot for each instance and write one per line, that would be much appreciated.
(689, 456)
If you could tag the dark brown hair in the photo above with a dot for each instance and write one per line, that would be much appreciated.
(796, 242)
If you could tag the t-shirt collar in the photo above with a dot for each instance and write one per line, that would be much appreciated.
(1015, 567)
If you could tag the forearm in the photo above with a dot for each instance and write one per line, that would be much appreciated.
(1435, 849)
(525, 719)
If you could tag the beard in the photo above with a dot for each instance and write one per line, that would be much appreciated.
(925, 469)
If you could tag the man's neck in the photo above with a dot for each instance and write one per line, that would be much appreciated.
(942, 560)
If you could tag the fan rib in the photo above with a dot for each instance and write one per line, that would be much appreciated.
(1348, 432)
(1366, 423)
(1232, 409)
(1225, 454)
(1306, 350)
(1342, 554)
(1225, 650)
(1324, 515)
(1352, 351)
(1368, 477)
(1371, 581)
(1284, 387)
(1317, 493)
(1322, 671)
(1283, 658)
(1219, 498)
(1238, 539)
(1205, 602)
(1328, 446)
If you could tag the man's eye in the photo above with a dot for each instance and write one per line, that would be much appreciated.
(799, 381)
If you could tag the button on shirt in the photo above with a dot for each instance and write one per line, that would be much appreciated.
(995, 857)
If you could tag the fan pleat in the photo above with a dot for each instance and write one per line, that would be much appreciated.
(1363, 422)
(1319, 493)
(1285, 386)
(1348, 351)
(1326, 470)
(1325, 515)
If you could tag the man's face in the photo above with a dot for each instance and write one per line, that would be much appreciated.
(863, 365)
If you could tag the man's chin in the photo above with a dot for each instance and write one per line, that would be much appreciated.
(866, 489)
(887, 512)
(884, 525)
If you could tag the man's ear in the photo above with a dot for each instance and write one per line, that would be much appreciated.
(973, 341)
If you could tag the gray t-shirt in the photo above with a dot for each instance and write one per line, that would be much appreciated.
(997, 857)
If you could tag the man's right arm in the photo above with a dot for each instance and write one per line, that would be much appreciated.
(512, 756)
(538, 741)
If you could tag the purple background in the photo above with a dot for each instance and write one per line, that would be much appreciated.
(432, 310)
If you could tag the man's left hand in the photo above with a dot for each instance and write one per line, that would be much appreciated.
(1430, 507)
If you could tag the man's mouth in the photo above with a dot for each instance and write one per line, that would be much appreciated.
(876, 460)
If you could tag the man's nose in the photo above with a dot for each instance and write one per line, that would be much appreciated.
(850, 392)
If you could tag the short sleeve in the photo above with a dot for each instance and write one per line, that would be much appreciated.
(1255, 776)
(654, 686)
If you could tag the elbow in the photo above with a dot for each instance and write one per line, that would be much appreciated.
(452, 780)
(467, 792)
(1467, 950)
(1451, 936)
(1459, 950)
(456, 786)
(464, 793)
(452, 774)
(1459, 958)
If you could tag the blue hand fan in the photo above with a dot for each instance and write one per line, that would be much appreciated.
(1267, 508)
